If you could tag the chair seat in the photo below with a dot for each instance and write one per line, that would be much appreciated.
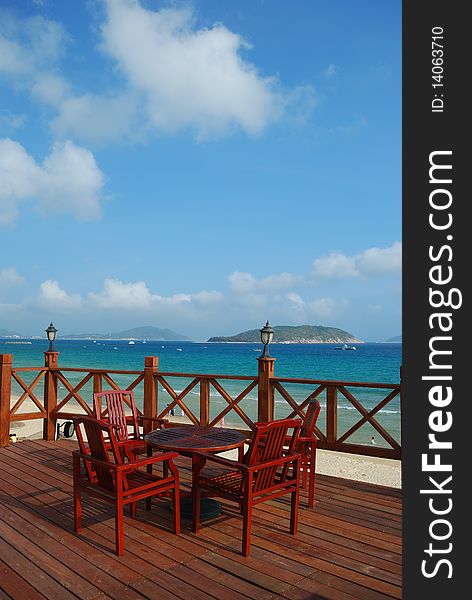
(136, 480)
(229, 482)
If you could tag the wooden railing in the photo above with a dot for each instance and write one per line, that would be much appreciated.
(54, 393)
(383, 443)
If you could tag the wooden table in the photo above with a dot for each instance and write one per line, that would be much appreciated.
(190, 439)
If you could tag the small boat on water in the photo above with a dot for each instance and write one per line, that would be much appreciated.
(131, 342)
(346, 347)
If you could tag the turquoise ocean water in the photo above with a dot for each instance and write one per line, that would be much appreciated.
(369, 363)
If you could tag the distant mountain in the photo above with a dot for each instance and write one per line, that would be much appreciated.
(301, 334)
(395, 340)
(6, 333)
(137, 333)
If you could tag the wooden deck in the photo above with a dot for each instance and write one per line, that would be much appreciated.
(348, 547)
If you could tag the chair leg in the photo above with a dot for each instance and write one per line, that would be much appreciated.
(119, 527)
(176, 499)
(132, 510)
(77, 495)
(247, 515)
(294, 510)
(196, 495)
(77, 509)
(311, 488)
(304, 470)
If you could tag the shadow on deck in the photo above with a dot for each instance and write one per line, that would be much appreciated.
(348, 547)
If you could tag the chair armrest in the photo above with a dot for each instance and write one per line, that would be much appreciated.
(131, 465)
(95, 461)
(147, 461)
(312, 438)
(274, 463)
(153, 419)
(233, 464)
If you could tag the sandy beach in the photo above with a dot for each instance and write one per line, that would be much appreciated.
(380, 471)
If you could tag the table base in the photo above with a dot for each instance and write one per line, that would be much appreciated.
(208, 508)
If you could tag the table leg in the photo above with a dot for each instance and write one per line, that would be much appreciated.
(209, 508)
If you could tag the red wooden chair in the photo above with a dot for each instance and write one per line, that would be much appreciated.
(114, 413)
(307, 448)
(107, 476)
(267, 471)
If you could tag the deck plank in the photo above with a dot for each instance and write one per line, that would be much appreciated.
(347, 548)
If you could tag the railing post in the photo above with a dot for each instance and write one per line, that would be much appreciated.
(97, 383)
(151, 364)
(265, 391)
(51, 362)
(6, 361)
(204, 402)
(331, 414)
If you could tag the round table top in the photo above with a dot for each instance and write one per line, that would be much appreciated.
(188, 439)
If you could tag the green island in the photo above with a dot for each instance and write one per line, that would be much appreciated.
(299, 334)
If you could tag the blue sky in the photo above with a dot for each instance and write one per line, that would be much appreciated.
(202, 166)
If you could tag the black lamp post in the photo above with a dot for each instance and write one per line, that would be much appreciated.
(51, 333)
(267, 333)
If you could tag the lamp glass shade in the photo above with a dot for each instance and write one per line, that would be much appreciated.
(267, 334)
(51, 332)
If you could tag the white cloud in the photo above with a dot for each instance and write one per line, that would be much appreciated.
(12, 59)
(327, 307)
(50, 88)
(9, 120)
(51, 295)
(9, 278)
(380, 260)
(29, 45)
(96, 118)
(296, 302)
(371, 262)
(207, 298)
(171, 75)
(322, 308)
(69, 181)
(335, 265)
(117, 294)
(243, 283)
(331, 71)
(189, 77)
(30, 51)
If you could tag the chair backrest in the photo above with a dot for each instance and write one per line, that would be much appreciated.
(267, 444)
(114, 412)
(92, 431)
(311, 416)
